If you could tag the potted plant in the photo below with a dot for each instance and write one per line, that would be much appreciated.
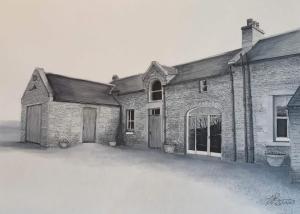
(275, 158)
(64, 143)
(113, 143)
(169, 147)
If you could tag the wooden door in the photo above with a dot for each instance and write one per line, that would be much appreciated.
(33, 123)
(155, 129)
(89, 125)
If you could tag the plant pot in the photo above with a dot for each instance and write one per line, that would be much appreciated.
(113, 143)
(169, 148)
(275, 160)
(64, 143)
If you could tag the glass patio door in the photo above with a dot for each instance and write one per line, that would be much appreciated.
(204, 135)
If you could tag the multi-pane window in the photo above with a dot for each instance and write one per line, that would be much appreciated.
(202, 86)
(130, 119)
(281, 117)
(155, 111)
(156, 91)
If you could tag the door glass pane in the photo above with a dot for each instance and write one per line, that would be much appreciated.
(191, 145)
(201, 133)
(281, 127)
(215, 133)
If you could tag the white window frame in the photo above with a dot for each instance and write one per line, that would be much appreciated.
(129, 120)
(280, 139)
(151, 92)
(202, 85)
(208, 152)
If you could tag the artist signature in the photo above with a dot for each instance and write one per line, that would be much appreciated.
(277, 201)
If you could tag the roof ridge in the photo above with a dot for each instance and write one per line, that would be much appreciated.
(85, 80)
(123, 78)
(209, 57)
(279, 34)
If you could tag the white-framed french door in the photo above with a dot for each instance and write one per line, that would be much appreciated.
(204, 135)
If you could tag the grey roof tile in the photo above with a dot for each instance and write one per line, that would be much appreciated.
(276, 46)
(129, 84)
(295, 100)
(212, 66)
(66, 89)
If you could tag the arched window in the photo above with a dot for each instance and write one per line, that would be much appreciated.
(156, 90)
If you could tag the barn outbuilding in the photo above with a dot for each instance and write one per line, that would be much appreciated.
(56, 108)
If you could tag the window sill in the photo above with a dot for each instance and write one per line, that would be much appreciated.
(279, 143)
(155, 101)
(129, 132)
(282, 139)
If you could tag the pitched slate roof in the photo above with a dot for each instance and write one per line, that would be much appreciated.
(66, 89)
(212, 66)
(170, 70)
(129, 84)
(276, 46)
(295, 100)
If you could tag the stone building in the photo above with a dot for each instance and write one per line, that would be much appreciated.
(57, 108)
(232, 105)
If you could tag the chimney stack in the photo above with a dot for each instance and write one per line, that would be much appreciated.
(115, 77)
(251, 33)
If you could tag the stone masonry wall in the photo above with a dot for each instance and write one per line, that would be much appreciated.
(183, 97)
(239, 113)
(137, 101)
(269, 78)
(294, 115)
(66, 121)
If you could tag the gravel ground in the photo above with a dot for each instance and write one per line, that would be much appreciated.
(93, 178)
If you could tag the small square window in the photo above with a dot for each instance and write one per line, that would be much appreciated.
(202, 86)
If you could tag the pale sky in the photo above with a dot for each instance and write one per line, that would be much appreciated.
(94, 39)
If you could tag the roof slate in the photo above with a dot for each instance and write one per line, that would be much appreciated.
(295, 100)
(212, 66)
(129, 84)
(276, 46)
(271, 47)
(66, 89)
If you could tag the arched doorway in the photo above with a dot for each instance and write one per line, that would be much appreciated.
(204, 131)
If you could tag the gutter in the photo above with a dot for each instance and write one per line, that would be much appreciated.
(251, 129)
(165, 116)
(245, 108)
(119, 137)
(233, 114)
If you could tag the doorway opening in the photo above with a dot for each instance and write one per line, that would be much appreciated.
(204, 134)
(154, 130)
(89, 125)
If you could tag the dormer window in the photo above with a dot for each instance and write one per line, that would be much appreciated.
(156, 91)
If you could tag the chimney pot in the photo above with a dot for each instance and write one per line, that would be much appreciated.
(249, 22)
(251, 33)
(115, 77)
